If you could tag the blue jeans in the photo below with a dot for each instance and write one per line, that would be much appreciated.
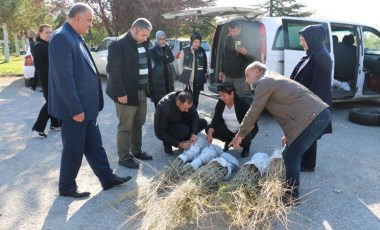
(292, 153)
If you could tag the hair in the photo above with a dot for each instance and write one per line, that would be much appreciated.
(257, 65)
(194, 36)
(142, 23)
(226, 87)
(234, 24)
(78, 8)
(41, 28)
(185, 96)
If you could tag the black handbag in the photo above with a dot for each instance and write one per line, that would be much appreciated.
(185, 77)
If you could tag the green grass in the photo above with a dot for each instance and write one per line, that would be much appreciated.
(13, 67)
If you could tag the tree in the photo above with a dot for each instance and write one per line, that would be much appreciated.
(112, 13)
(277, 8)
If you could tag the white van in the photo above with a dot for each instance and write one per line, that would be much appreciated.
(355, 48)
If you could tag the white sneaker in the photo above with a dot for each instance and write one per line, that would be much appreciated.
(345, 86)
(39, 134)
(55, 128)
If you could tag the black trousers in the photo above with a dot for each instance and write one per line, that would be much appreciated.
(181, 131)
(43, 118)
(224, 134)
(34, 80)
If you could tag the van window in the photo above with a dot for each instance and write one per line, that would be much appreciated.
(291, 34)
(206, 46)
(371, 42)
(279, 39)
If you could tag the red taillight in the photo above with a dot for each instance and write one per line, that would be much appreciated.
(263, 43)
(177, 55)
(28, 60)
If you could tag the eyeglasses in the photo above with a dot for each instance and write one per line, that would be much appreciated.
(162, 39)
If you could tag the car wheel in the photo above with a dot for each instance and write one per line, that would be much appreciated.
(365, 116)
(27, 82)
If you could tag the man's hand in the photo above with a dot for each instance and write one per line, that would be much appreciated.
(193, 138)
(242, 50)
(236, 142)
(123, 99)
(221, 76)
(184, 145)
(79, 117)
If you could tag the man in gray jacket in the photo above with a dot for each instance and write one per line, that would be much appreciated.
(302, 115)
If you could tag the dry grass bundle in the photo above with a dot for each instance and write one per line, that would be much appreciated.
(181, 207)
(276, 166)
(172, 174)
(236, 197)
(252, 201)
(187, 203)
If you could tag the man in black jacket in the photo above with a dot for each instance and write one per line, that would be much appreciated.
(176, 121)
(129, 67)
(237, 53)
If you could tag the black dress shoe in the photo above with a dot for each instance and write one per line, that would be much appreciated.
(168, 150)
(130, 163)
(143, 156)
(244, 153)
(303, 169)
(74, 193)
(116, 181)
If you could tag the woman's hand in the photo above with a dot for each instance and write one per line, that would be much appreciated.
(209, 135)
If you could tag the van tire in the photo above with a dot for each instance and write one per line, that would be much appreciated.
(365, 116)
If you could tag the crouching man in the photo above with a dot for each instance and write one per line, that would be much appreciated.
(176, 121)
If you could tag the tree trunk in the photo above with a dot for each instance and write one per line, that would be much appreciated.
(6, 43)
(16, 46)
(271, 8)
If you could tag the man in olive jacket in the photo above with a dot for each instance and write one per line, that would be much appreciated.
(129, 68)
(302, 115)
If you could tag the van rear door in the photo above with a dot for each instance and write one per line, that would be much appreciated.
(293, 51)
(215, 11)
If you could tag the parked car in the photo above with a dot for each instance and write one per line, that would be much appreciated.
(28, 68)
(100, 54)
(177, 44)
(276, 43)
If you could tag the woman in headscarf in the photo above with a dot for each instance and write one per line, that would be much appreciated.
(314, 72)
(162, 78)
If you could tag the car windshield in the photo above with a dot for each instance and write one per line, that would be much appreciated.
(206, 46)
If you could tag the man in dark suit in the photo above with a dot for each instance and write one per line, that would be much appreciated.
(75, 98)
(129, 68)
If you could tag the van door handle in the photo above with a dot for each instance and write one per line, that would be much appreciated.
(281, 61)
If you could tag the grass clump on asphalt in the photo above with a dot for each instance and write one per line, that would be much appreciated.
(13, 67)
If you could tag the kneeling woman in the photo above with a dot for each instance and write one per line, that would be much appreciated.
(229, 113)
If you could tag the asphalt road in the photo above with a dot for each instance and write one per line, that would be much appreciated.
(343, 192)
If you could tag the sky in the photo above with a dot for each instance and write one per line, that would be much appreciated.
(364, 11)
